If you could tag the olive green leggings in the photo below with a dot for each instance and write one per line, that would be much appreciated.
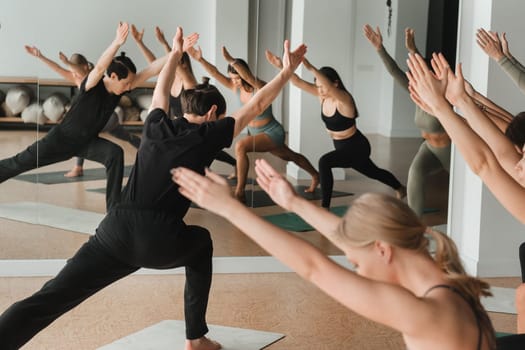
(428, 160)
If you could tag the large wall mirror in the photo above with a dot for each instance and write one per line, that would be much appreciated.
(30, 223)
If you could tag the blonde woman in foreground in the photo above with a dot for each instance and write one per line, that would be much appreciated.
(397, 282)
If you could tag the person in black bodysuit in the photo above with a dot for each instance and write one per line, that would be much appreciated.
(77, 134)
(147, 228)
(339, 112)
(184, 79)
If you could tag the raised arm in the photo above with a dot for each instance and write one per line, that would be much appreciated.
(376, 39)
(295, 79)
(196, 54)
(506, 51)
(345, 101)
(410, 40)
(138, 36)
(154, 67)
(159, 34)
(167, 74)
(499, 116)
(65, 73)
(244, 73)
(429, 93)
(105, 59)
(380, 302)
(492, 46)
(265, 96)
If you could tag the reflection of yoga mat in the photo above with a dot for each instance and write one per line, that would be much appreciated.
(52, 215)
(170, 334)
(57, 177)
(261, 198)
(502, 301)
(292, 222)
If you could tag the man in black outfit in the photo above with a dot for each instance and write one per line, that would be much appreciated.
(147, 229)
(77, 134)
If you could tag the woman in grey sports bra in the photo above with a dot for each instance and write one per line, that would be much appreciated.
(388, 245)
(265, 133)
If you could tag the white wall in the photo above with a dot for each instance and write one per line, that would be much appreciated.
(88, 27)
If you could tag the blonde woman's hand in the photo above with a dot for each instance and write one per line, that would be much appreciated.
(210, 192)
(273, 183)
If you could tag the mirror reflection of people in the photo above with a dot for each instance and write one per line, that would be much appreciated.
(339, 114)
(265, 133)
(184, 79)
(397, 282)
(79, 68)
(488, 152)
(147, 228)
(433, 154)
(77, 134)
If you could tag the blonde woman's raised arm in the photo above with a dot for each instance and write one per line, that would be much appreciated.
(380, 302)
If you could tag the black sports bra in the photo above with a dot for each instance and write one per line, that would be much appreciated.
(458, 292)
(337, 122)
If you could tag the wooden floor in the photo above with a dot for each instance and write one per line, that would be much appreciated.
(278, 302)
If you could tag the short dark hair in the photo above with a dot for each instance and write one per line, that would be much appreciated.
(201, 98)
(121, 66)
(516, 130)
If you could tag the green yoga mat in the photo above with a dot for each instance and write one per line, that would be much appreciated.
(292, 222)
(57, 177)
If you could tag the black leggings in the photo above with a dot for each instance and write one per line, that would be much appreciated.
(125, 241)
(50, 149)
(353, 152)
(224, 157)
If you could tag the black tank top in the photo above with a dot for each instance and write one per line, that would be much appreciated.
(458, 292)
(337, 122)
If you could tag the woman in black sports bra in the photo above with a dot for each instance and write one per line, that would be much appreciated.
(339, 112)
(396, 282)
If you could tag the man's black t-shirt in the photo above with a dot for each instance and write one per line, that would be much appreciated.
(88, 115)
(167, 144)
